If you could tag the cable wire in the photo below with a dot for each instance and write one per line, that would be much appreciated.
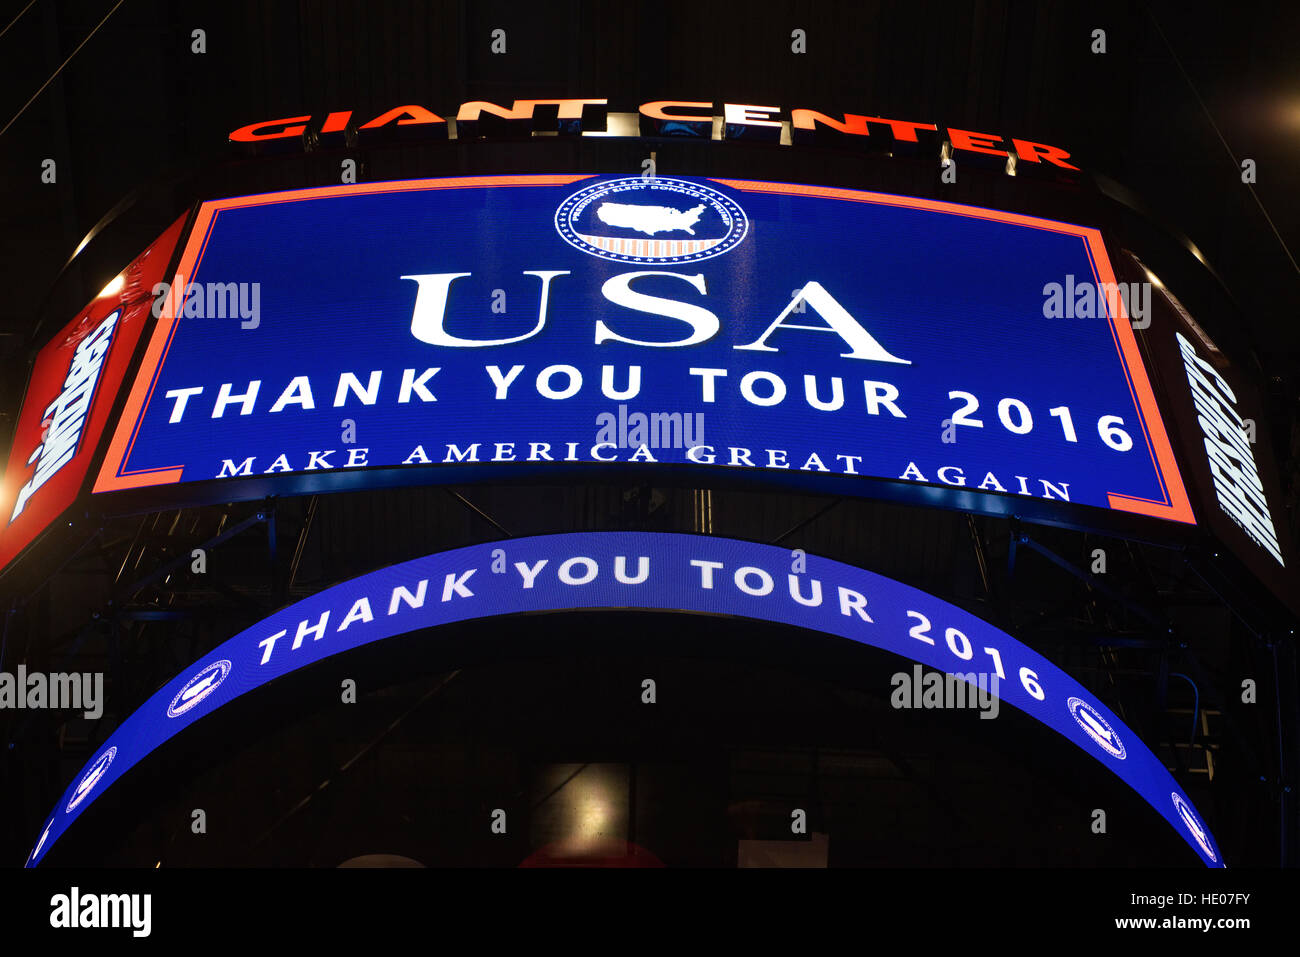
(17, 18)
(61, 65)
(1228, 149)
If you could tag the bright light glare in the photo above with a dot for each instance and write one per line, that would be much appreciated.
(114, 286)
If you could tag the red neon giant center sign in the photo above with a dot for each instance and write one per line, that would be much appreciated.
(670, 117)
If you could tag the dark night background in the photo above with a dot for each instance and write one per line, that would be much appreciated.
(135, 103)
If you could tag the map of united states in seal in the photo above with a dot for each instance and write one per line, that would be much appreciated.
(649, 219)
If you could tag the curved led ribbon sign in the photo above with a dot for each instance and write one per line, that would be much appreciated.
(634, 570)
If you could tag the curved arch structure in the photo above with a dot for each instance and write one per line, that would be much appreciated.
(635, 570)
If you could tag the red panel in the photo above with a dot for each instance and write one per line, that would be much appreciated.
(74, 380)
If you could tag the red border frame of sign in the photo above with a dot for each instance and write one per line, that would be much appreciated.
(1175, 506)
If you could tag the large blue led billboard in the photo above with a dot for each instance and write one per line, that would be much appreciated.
(637, 570)
(519, 324)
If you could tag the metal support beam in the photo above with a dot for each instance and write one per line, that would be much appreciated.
(981, 558)
(177, 563)
(301, 545)
(1092, 581)
(479, 512)
(807, 521)
(1219, 592)
(277, 581)
(1285, 787)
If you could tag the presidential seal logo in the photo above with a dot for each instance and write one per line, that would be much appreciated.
(1194, 825)
(198, 688)
(92, 777)
(1096, 727)
(651, 220)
